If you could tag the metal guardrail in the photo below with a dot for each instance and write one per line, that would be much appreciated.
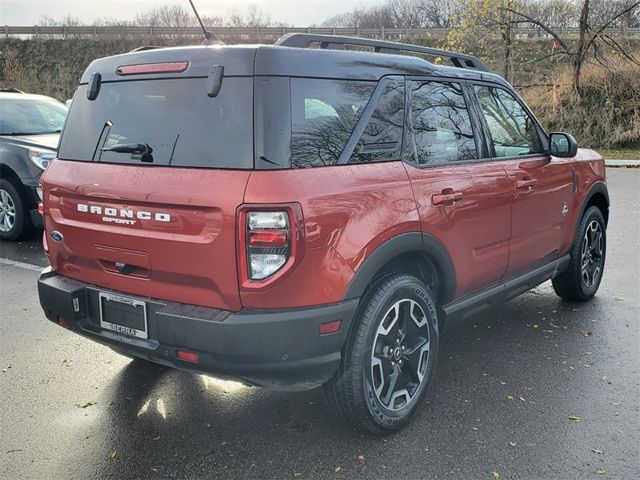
(257, 32)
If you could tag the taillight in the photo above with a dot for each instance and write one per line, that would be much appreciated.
(268, 249)
(271, 242)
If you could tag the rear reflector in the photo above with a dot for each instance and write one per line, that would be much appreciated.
(188, 356)
(330, 327)
(144, 68)
(274, 238)
(63, 322)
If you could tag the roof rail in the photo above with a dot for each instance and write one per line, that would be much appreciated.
(331, 42)
(10, 90)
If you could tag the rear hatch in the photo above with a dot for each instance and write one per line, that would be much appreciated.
(150, 174)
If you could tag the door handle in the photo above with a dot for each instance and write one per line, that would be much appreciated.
(526, 184)
(447, 197)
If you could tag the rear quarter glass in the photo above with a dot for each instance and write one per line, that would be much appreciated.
(183, 125)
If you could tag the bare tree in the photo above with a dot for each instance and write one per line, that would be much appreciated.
(398, 14)
(483, 24)
(595, 17)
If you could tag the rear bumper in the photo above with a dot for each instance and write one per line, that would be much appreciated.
(275, 349)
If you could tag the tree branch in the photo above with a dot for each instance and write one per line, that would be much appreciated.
(546, 28)
(606, 24)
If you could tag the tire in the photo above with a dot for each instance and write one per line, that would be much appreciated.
(580, 281)
(361, 388)
(15, 222)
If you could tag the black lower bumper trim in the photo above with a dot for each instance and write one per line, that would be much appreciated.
(275, 349)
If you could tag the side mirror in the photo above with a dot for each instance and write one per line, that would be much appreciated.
(562, 145)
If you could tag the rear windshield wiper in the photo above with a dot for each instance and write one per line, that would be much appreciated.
(137, 150)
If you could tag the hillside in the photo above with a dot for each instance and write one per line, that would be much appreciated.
(608, 114)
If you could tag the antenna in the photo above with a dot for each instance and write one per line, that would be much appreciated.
(209, 37)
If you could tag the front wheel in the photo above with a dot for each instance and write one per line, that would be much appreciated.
(15, 223)
(580, 281)
(389, 358)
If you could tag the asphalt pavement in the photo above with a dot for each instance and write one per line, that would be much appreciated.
(537, 388)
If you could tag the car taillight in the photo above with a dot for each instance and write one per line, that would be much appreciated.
(271, 241)
(268, 245)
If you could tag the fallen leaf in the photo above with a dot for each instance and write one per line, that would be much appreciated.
(113, 455)
(157, 438)
(601, 471)
(513, 444)
(599, 452)
(338, 469)
(88, 404)
(509, 397)
(361, 458)
(574, 418)
(495, 474)
(585, 333)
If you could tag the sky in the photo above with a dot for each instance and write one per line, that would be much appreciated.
(294, 12)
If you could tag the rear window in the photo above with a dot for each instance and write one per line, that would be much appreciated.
(182, 125)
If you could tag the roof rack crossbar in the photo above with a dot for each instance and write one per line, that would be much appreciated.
(331, 42)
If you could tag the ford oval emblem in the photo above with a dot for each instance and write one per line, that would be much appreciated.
(57, 236)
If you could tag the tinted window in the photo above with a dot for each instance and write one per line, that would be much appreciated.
(176, 118)
(323, 115)
(31, 117)
(382, 137)
(440, 123)
(512, 129)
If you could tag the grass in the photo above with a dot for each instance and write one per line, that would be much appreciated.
(619, 154)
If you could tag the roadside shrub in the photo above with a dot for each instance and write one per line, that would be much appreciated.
(605, 115)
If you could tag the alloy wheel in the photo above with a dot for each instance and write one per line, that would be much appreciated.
(7, 211)
(400, 354)
(592, 254)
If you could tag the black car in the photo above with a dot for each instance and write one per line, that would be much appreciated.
(30, 126)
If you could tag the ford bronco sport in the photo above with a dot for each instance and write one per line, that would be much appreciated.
(294, 216)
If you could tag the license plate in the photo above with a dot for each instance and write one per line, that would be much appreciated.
(123, 315)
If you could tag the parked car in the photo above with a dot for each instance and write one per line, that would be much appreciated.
(295, 217)
(30, 126)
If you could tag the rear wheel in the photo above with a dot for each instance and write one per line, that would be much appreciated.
(389, 357)
(580, 281)
(14, 216)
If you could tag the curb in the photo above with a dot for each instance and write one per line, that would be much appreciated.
(622, 163)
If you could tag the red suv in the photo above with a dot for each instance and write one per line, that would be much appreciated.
(293, 216)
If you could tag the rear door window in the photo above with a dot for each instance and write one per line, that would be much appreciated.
(440, 124)
(182, 125)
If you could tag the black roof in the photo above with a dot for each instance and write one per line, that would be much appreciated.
(276, 60)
